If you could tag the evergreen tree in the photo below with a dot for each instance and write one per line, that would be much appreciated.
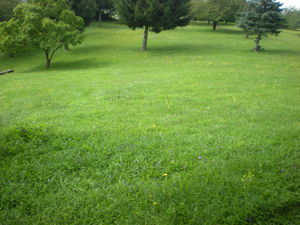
(242, 18)
(263, 17)
(153, 15)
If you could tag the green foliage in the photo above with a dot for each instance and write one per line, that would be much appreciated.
(217, 10)
(106, 8)
(157, 15)
(235, 8)
(11, 40)
(199, 10)
(48, 25)
(85, 9)
(292, 18)
(6, 9)
(261, 18)
(154, 14)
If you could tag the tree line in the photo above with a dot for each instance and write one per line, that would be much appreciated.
(50, 25)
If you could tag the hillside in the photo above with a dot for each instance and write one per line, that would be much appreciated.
(197, 130)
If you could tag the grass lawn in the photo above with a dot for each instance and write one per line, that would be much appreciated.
(197, 130)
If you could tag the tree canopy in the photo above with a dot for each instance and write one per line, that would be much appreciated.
(48, 25)
(11, 40)
(153, 15)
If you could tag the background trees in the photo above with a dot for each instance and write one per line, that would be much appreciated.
(86, 9)
(216, 10)
(105, 9)
(90, 9)
(263, 17)
(292, 18)
(153, 14)
(6, 8)
(199, 10)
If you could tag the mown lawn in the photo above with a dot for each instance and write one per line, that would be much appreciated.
(198, 130)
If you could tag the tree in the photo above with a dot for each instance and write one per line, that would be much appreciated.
(199, 10)
(153, 15)
(217, 10)
(235, 6)
(85, 9)
(263, 18)
(11, 40)
(105, 9)
(6, 9)
(48, 25)
(292, 18)
(242, 19)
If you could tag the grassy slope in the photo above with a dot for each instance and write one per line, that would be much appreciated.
(112, 135)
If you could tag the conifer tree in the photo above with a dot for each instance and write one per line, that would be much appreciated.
(263, 17)
(153, 15)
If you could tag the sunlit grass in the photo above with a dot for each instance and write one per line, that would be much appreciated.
(198, 130)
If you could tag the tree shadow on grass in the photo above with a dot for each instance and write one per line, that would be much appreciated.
(281, 51)
(228, 31)
(189, 49)
(57, 65)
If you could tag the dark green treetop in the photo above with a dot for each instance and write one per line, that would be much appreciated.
(156, 15)
(86, 9)
(263, 17)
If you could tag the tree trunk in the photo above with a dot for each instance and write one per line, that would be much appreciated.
(257, 40)
(208, 21)
(215, 23)
(100, 18)
(48, 59)
(145, 40)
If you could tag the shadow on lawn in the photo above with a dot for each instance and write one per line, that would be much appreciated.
(189, 49)
(281, 51)
(57, 65)
(228, 31)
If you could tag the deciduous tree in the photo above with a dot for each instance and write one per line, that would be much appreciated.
(48, 25)
(11, 40)
(217, 10)
(292, 18)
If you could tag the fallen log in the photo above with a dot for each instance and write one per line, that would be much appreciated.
(7, 71)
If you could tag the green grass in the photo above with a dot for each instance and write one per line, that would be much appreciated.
(198, 130)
